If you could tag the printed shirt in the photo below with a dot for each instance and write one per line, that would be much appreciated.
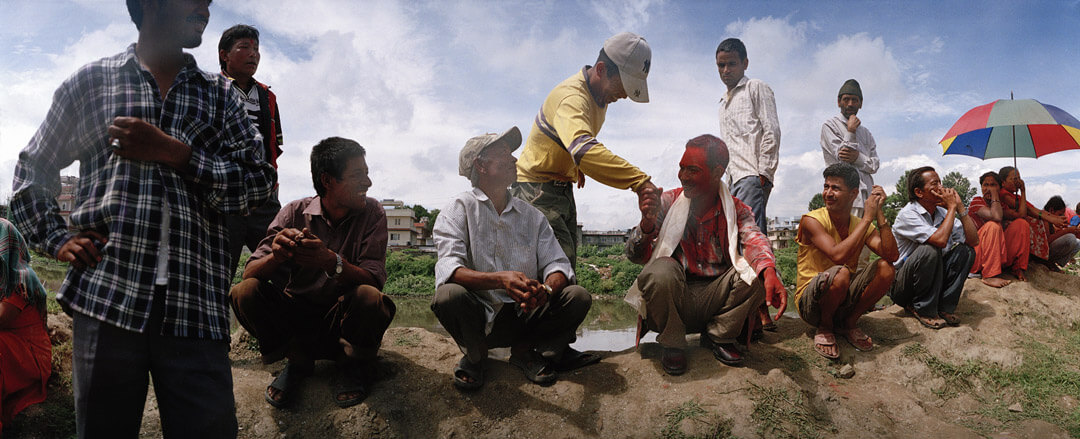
(973, 211)
(470, 233)
(360, 238)
(122, 198)
(914, 225)
(835, 135)
(750, 129)
(811, 260)
(562, 141)
(703, 249)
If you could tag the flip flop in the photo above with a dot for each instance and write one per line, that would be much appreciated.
(350, 381)
(466, 369)
(950, 318)
(825, 339)
(927, 322)
(285, 383)
(859, 339)
(536, 369)
(573, 359)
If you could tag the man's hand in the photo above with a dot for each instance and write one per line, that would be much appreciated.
(580, 179)
(848, 155)
(312, 252)
(285, 243)
(136, 139)
(80, 251)
(649, 204)
(853, 123)
(775, 293)
(949, 198)
(874, 202)
(517, 285)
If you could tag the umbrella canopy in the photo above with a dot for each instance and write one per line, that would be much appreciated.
(1012, 128)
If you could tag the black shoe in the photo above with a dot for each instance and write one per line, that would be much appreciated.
(674, 361)
(727, 353)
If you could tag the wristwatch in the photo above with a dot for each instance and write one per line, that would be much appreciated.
(337, 268)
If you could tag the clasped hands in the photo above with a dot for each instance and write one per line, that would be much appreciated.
(528, 294)
(304, 248)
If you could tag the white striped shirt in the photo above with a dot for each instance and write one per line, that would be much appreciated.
(470, 233)
(751, 130)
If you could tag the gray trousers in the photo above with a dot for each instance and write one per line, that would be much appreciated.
(717, 308)
(750, 191)
(550, 328)
(112, 368)
(931, 280)
(1063, 249)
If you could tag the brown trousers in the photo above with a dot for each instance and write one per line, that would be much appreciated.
(350, 327)
(717, 308)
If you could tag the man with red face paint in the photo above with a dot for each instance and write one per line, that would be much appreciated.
(707, 265)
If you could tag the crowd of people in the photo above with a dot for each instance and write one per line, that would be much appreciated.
(178, 174)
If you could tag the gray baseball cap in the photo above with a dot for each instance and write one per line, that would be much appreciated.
(633, 56)
(476, 145)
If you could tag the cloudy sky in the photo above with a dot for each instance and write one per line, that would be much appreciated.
(412, 81)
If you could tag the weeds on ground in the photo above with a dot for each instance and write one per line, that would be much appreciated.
(779, 413)
(715, 427)
(410, 339)
(958, 378)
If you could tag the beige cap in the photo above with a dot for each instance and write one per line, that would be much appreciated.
(633, 56)
(476, 145)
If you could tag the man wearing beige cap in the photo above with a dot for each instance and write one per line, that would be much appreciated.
(501, 278)
(562, 147)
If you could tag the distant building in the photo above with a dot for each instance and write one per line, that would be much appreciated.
(401, 225)
(66, 199)
(782, 232)
(604, 238)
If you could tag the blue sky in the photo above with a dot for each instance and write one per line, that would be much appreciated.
(412, 81)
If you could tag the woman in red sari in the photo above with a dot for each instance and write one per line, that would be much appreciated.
(1000, 245)
(25, 350)
(1014, 206)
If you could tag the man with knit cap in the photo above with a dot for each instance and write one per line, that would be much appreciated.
(562, 147)
(707, 266)
(845, 139)
(501, 278)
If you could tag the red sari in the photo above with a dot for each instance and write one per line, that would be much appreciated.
(25, 360)
(1040, 230)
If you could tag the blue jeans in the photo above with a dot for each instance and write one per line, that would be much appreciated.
(113, 366)
(749, 190)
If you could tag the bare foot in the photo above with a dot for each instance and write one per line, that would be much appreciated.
(1019, 275)
(995, 282)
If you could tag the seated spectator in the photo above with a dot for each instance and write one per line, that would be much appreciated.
(1064, 240)
(502, 279)
(311, 288)
(25, 350)
(1001, 243)
(1014, 205)
(832, 293)
(936, 251)
(1074, 220)
(707, 265)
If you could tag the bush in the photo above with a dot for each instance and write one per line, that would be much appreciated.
(410, 284)
(400, 263)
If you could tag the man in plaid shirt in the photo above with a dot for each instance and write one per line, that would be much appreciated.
(165, 151)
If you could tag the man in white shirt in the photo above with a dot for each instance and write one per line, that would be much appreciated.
(845, 139)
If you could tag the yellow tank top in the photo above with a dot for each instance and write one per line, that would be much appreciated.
(812, 261)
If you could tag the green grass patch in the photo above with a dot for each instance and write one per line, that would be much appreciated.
(606, 271)
(712, 427)
(411, 340)
(780, 413)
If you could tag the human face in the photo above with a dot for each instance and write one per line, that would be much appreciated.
(242, 59)
(731, 68)
(837, 196)
(180, 20)
(849, 105)
(931, 187)
(697, 179)
(1012, 181)
(612, 88)
(989, 186)
(498, 164)
(351, 190)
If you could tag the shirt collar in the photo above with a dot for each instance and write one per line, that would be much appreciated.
(728, 93)
(483, 197)
(190, 68)
(585, 73)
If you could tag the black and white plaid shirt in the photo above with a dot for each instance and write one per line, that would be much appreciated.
(123, 199)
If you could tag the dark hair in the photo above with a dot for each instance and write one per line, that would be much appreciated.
(997, 177)
(1055, 203)
(716, 152)
(846, 172)
(915, 180)
(1004, 172)
(330, 156)
(135, 11)
(612, 69)
(732, 45)
(229, 37)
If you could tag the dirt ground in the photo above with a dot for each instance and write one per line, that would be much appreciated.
(900, 389)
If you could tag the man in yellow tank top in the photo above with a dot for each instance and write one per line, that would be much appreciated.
(830, 293)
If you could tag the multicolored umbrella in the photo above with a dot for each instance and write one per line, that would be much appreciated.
(1012, 128)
